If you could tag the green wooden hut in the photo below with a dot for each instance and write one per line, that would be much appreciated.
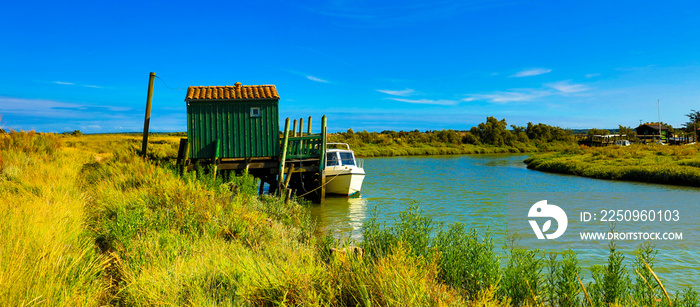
(243, 118)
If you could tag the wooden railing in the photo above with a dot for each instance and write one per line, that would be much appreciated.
(305, 147)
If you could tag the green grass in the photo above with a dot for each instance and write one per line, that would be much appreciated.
(388, 147)
(87, 222)
(678, 165)
(468, 263)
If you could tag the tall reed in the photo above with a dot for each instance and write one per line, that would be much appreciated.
(47, 257)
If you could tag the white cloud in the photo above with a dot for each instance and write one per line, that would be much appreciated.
(312, 78)
(531, 72)
(560, 88)
(441, 102)
(54, 109)
(406, 92)
(10, 105)
(588, 76)
(510, 96)
(566, 87)
(71, 83)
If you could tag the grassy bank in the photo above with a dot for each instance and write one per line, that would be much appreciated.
(383, 145)
(88, 222)
(679, 165)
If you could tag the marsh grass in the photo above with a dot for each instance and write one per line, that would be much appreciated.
(46, 257)
(86, 221)
(677, 165)
(417, 149)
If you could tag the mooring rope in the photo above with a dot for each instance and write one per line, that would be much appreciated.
(322, 185)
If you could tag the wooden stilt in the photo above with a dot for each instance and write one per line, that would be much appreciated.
(216, 158)
(289, 177)
(181, 159)
(289, 196)
(186, 157)
(283, 156)
(322, 160)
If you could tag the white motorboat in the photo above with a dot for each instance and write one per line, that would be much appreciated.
(344, 173)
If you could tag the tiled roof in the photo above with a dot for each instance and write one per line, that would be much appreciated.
(654, 126)
(228, 92)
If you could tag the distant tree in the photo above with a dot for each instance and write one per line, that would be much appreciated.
(76, 133)
(546, 133)
(595, 131)
(628, 131)
(493, 132)
(470, 138)
(693, 121)
(448, 136)
(520, 133)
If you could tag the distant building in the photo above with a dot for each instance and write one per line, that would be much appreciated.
(650, 131)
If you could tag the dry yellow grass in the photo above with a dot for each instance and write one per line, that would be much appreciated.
(46, 257)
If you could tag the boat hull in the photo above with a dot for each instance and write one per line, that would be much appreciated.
(344, 183)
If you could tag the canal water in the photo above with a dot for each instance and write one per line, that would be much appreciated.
(490, 192)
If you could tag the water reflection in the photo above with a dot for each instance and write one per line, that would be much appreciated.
(341, 216)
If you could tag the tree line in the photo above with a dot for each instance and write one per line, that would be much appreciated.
(492, 132)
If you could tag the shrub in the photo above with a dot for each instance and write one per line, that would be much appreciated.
(31, 142)
(611, 281)
(466, 262)
(521, 277)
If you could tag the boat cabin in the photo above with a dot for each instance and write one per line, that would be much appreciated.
(340, 156)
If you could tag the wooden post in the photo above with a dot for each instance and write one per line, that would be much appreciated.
(181, 159)
(147, 120)
(308, 130)
(289, 177)
(287, 190)
(301, 127)
(289, 196)
(302, 149)
(216, 157)
(186, 157)
(322, 162)
(294, 131)
(283, 156)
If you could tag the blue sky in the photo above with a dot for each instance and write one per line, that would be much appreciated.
(367, 65)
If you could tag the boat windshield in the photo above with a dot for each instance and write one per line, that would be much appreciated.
(347, 158)
(332, 159)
